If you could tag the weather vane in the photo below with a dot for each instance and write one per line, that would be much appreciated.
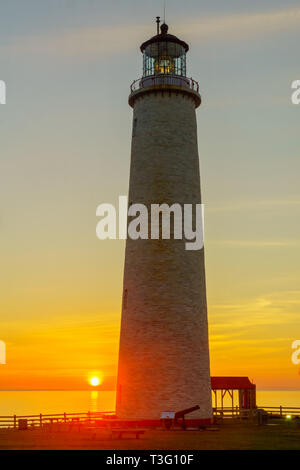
(158, 23)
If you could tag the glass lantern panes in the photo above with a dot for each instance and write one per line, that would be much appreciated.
(164, 58)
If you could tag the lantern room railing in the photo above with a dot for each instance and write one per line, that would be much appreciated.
(156, 80)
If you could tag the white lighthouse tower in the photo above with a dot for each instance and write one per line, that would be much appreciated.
(164, 354)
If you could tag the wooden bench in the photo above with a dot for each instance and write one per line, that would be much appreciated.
(119, 433)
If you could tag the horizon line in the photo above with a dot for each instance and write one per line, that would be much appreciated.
(95, 389)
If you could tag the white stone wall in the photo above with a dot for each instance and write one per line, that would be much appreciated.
(164, 355)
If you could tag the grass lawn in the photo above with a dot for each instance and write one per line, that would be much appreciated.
(278, 434)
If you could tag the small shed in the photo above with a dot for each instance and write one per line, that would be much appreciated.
(246, 391)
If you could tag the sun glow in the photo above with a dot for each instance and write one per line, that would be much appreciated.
(95, 381)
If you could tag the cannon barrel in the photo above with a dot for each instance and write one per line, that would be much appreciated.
(180, 414)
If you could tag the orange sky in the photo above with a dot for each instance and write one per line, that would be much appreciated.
(62, 348)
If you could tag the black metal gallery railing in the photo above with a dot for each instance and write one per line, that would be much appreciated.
(156, 80)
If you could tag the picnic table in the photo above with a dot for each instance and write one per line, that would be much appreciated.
(119, 433)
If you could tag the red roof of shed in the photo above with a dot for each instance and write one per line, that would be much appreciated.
(231, 383)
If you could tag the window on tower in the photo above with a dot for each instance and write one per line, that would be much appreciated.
(134, 127)
(125, 295)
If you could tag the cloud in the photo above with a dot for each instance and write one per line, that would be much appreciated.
(104, 41)
(252, 205)
(242, 26)
(256, 243)
(81, 42)
(275, 308)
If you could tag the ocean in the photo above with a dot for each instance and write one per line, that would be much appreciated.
(48, 402)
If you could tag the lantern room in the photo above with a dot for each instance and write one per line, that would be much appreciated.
(164, 67)
(164, 54)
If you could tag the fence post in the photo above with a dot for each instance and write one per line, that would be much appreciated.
(65, 417)
(89, 416)
(280, 410)
(15, 422)
(41, 419)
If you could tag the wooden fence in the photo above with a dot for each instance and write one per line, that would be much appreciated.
(12, 422)
(236, 412)
(42, 419)
(282, 410)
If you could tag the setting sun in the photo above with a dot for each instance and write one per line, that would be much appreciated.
(95, 381)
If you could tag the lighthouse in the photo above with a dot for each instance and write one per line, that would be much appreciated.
(164, 352)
